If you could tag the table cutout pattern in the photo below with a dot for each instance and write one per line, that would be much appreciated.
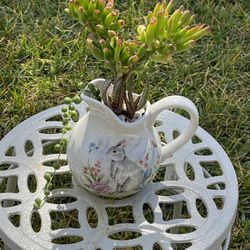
(178, 212)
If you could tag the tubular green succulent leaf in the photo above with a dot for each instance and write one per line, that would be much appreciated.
(106, 11)
(85, 4)
(75, 6)
(163, 5)
(161, 23)
(157, 44)
(112, 33)
(120, 23)
(91, 7)
(72, 9)
(180, 34)
(185, 17)
(113, 41)
(80, 15)
(190, 20)
(96, 52)
(125, 55)
(170, 27)
(132, 46)
(113, 26)
(96, 13)
(142, 50)
(100, 28)
(198, 35)
(193, 30)
(157, 8)
(169, 7)
(149, 16)
(160, 58)
(141, 37)
(195, 33)
(125, 69)
(118, 49)
(103, 43)
(134, 59)
(186, 46)
(176, 17)
(110, 18)
(140, 29)
(100, 5)
(107, 53)
(150, 32)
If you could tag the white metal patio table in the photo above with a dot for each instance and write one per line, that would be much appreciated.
(192, 207)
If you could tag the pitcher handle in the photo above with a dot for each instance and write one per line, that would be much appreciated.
(176, 102)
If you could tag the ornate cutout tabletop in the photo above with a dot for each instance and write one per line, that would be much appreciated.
(192, 207)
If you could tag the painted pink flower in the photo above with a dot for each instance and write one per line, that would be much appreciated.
(100, 187)
(97, 164)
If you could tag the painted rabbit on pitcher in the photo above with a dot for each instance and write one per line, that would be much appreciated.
(127, 174)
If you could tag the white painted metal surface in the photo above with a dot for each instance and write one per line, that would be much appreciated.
(193, 208)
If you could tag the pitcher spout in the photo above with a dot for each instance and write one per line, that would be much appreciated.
(103, 112)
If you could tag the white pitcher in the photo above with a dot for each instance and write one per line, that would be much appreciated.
(115, 159)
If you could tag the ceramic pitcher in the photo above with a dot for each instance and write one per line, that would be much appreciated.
(115, 159)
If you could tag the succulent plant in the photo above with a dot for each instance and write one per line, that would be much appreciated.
(164, 33)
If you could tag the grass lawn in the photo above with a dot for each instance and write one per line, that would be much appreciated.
(43, 57)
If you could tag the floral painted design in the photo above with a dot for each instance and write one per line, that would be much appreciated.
(93, 175)
(94, 170)
(100, 187)
(145, 161)
(124, 174)
(92, 147)
(95, 178)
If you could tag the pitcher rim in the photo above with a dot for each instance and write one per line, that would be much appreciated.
(142, 119)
